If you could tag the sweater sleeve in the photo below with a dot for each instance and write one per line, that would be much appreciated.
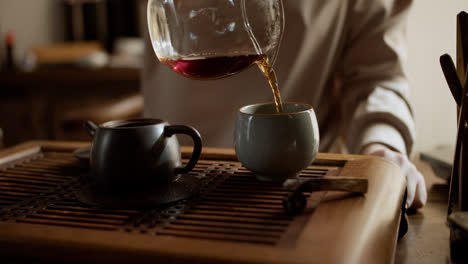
(375, 103)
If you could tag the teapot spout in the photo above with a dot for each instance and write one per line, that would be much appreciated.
(90, 128)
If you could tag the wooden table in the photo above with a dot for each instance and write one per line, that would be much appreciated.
(427, 240)
(233, 219)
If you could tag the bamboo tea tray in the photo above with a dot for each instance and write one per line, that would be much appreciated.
(234, 219)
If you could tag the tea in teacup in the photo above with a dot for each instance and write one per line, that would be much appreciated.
(276, 145)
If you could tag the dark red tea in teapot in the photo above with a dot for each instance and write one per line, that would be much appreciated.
(218, 67)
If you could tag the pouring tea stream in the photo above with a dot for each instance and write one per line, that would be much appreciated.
(214, 39)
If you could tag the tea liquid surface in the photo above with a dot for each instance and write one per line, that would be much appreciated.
(210, 67)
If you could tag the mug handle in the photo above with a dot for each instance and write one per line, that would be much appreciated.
(197, 144)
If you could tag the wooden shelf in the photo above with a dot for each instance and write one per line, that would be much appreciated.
(67, 79)
(33, 105)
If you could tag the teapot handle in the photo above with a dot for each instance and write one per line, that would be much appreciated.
(90, 128)
(197, 144)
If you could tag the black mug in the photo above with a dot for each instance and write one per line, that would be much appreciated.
(135, 155)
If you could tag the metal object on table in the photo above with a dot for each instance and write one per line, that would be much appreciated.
(457, 216)
(462, 49)
(462, 44)
(452, 78)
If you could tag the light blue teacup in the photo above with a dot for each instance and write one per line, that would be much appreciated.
(273, 145)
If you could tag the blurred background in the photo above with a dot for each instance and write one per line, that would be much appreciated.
(64, 61)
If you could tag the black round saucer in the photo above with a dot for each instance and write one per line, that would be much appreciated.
(182, 188)
(82, 154)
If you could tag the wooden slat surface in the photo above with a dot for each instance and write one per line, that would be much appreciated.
(239, 221)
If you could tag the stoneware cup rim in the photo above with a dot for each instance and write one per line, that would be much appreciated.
(144, 122)
(242, 109)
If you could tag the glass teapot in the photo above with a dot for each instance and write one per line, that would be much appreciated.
(211, 39)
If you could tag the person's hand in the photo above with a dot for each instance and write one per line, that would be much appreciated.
(416, 187)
